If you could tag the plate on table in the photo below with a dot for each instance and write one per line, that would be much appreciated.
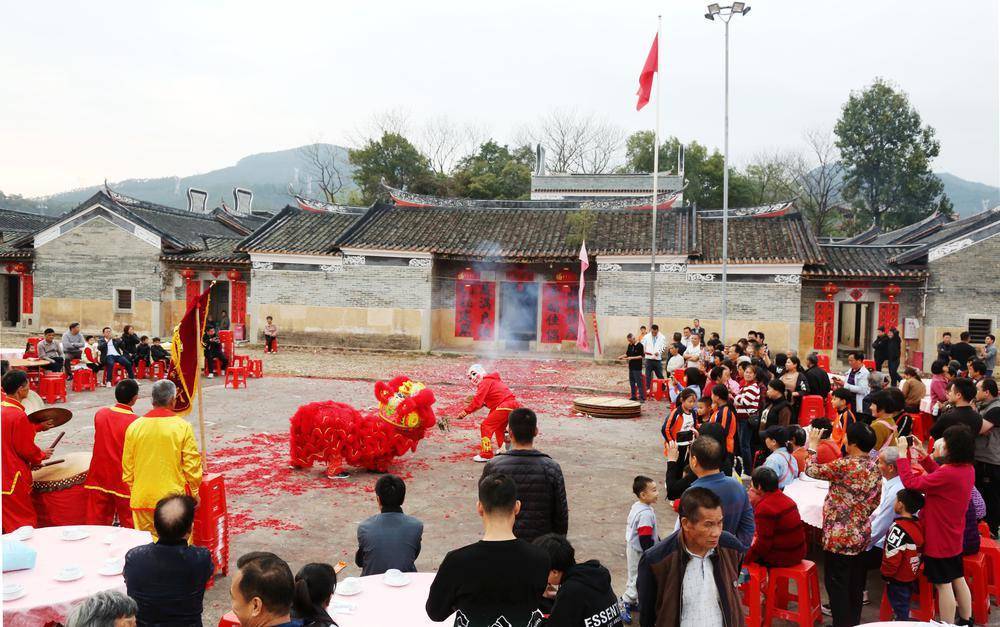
(348, 587)
(13, 591)
(111, 568)
(71, 534)
(395, 578)
(23, 533)
(69, 573)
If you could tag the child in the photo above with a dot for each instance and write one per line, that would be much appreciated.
(142, 350)
(841, 400)
(640, 534)
(270, 335)
(901, 560)
(157, 352)
(703, 411)
(91, 355)
(799, 450)
(679, 425)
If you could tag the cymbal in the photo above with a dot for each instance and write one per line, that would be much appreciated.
(58, 415)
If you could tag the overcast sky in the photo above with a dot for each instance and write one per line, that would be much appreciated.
(132, 89)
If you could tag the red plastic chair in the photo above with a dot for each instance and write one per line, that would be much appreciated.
(812, 407)
(53, 387)
(658, 388)
(869, 364)
(140, 369)
(256, 369)
(241, 360)
(118, 374)
(977, 574)
(989, 548)
(158, 369)
(236, 375)
(924, 596)
(823, 361)
(216, 366)
(753, 593)
(806, 597)
(84, 379)
(680, 376)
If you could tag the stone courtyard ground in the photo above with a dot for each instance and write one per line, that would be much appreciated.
(303, 516)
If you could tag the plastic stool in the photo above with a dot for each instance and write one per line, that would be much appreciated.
(241, 360)
(977, 574)
(216, 366)
(236, 374)
(158, 370)
(812, 407)
(924, 597)
(53, 387)
(658, 388)
(806, 578)
(753, 592)
(84, 379)
(256, 368)
(140, 369)
(34, 378)
(118, 374)
(229, 620)
(991, 550)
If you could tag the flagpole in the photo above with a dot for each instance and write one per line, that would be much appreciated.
(656, 175)
(201, 412)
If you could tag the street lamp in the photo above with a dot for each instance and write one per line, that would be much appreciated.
(725, 13)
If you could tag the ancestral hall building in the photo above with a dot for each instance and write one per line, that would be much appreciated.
(426, 273)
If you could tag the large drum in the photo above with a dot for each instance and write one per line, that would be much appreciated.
(58, 492)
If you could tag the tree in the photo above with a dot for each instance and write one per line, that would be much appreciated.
(321, 168)
(580, 224)
(494, 171)
(576, 143)
(393, 159)
(771, 177)
(444, 142)
(819, 180)
(639, 153)
(886, 154)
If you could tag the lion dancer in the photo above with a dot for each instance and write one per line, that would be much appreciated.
(19, 451)
(495, 396)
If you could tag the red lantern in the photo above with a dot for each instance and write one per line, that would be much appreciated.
(830, 290)
(891, 291)
(234, 275)
(565, 276)
(468, 275)
(20, 268)
(188, 274)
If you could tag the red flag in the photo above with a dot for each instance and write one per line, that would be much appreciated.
(581, 326)
(646, 76)
(186, 351)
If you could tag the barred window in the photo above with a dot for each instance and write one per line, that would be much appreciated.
(124, 298)
(979, 328)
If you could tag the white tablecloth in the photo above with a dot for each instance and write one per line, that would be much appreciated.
(809, 495)
(379, 604)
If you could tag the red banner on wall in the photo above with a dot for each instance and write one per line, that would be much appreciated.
(239, 302)
(823, 334)
(27, 293)
(888, 315)
(475, 309)
(559, 312)
(193, 292)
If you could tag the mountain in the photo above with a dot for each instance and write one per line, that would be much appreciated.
(968, 196)
(267, 174)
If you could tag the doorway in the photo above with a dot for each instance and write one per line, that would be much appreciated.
(518, 313)
(854, 328)
(218, 301)
(11, 300)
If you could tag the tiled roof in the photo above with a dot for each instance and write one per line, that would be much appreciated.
(781, 237)
(977, 226)
(513, 234)
(295, 230)
(409, 199)
(580, 183)
(215, 250)
(846, 260)
(905, 235)
(10, 251)
(13, 221)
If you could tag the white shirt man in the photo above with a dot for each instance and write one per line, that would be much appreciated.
(694, 352)
(654, 344)
(676, 362)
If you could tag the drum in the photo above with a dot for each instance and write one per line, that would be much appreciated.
(33, 402)
(58, 493)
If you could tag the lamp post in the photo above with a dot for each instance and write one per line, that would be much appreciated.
(725, 13)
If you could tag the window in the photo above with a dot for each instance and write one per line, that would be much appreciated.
(124, 298)
(979, 328)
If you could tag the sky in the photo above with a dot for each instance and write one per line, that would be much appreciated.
(116, 90)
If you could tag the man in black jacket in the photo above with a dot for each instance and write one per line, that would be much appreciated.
(816, 377)
(539, 479)
(585, 597)
(880, 349)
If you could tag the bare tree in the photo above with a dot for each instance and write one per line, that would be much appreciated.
(576, 143)
(820, 180)
(772, 177)
(445, 141)
(396, 121)
(322, 170)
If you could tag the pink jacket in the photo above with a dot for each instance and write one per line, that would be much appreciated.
(946, 489)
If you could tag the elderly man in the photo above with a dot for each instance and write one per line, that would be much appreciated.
(262, 591)
(109, 608)
(72, 346)
(167, 577)
(50, 348)
(160, 458)
(883, 516)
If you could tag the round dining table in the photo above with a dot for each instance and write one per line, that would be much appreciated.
(49, 600)
(808, 494)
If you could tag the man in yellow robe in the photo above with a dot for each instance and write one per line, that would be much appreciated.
(160, 458)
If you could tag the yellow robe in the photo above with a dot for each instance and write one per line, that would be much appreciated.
(160, 458)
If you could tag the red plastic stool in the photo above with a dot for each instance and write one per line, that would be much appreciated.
(84, 379)
(812, 407)
(158, 370)
(753, 593)
(229, 620)
(241, 360)
(977, 574)
(216, 366)
(991, 550)
(53, 387)
(658, 388)
(806, 578)
(256, 368)
(140, 369)
(234, 375)
(924, 597)
(118, 374)
(34, 378)
(274, 346)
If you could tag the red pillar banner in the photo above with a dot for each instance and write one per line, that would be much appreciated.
(239, 313)
(27, 293)
(475, 307)
(888, 315)
(559, 312)
(193, 291)
(823, 334)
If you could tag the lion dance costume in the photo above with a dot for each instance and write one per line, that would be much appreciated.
(339, 434)
(493, 394)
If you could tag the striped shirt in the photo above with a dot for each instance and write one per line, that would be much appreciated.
(747, 402)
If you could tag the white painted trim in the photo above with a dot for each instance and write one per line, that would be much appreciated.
(747, 268)
(641, 259)
(44, 237)
(943, 250)
(368, 252)
(312, 260)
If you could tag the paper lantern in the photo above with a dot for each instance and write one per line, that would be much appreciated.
(830, 290)
(891, 291)
(188, 274)
(20, 268)
(234, 275)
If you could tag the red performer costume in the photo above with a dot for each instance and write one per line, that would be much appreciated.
(20, 454)
(493, 394)
(107, 493)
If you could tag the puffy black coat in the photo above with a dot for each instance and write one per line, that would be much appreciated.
(540, 488)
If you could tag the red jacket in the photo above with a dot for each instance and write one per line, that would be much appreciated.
(779, 539)
(105, 472)
(491, 393)
(19, 451)
(946, 491)
(903, 541)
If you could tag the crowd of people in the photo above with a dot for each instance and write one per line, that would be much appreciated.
(732, 441)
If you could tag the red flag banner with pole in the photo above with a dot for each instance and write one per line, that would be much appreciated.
(646, 76)
(186, 353)
(581, 325)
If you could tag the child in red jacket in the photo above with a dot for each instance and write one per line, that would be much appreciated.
(901, 560)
